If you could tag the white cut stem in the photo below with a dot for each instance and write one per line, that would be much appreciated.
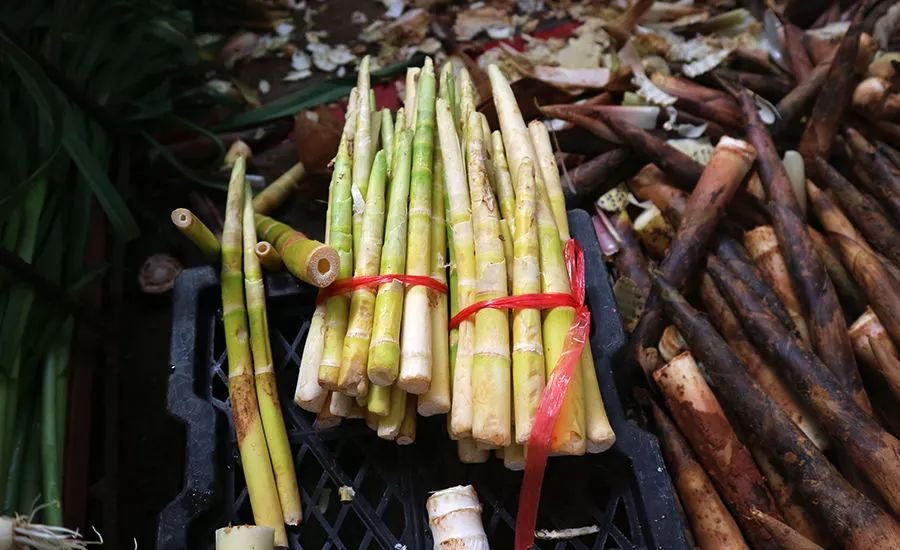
(309, 395)
(454, 516)
(245, 537)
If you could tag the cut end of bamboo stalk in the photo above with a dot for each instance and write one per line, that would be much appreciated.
(182, 218)
(454, 516)
(245, 537)
(324, 265)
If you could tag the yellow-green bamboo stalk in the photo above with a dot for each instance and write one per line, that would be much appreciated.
(241, 388)
(507, 239)
(352, 378)
(268, 256)
(195, 230)
(379, 402)
(447, 86)
(506, 194)
(307, 259)
(540, 140)
(337, 307)
(486, 137)
(437, 399)
(264, 374)
(279, 190)
(466, 101)
(387, 138)
(362, 151)
(407, 433)
(409, 96)
(375, 126)
(389, 426)
(491, 403)
(527, 348)
(599, 432)
(568, 435)
(415, 335)
(460, 224)
(384, 347)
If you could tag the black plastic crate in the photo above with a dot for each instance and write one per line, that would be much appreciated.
(625, 491)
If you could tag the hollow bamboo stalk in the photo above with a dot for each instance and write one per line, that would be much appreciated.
(268, 257)
(706, 205)
(459, 221)
(309, 260)
(197, 232)
(264, 375)
(711, 523)
(248, 424)
(415, 334)
(728, 325)
(352, 379)
(384, 347)
(527, 348)
(873, 451)
(437, 399)
(847, 515)
(277, 192)
(698, 414)
(491, 403)
(762, 244)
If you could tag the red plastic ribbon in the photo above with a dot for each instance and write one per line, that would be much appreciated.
(551, 401)
(348, 285)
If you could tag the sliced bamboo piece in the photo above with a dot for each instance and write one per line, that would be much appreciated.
(698, 414)
(415, 336)
(711, 522)
(762, 244)
(248, 424)
(652, 184)
(527, 348)
(384, 347)
(352, 378)
(277, 192)
(459, 221)
(491, 402)
(437, 399)
(706, 205)
(724, 319)
(195, 230)
(264, 375)
(873, 451)
(268, 256)
(847, 515)
(309, 260)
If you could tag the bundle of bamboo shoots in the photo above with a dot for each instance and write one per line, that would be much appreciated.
(440, 186)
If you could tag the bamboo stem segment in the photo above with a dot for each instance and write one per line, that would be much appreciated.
(195, 230)
(279, 190)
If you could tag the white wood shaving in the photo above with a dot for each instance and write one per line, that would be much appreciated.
(561, 534)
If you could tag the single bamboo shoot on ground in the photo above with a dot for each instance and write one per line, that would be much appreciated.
(195, 230)
(728, 462)
(264, 375)
(454, 516)
(251, 436)
(352, 378)
(711, 522)
(384, 348)
(491, 403)
(415, 337)
(459, 221)
(437, 399)
(276, 193)
(850, 428)
(847, 515)
(527, 348)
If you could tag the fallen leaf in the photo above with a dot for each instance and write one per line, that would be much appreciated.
(473, 21)
(410, 29)
(317, 134)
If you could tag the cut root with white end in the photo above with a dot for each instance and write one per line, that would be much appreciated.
(454, 516)
(245, 537)
(19, 532)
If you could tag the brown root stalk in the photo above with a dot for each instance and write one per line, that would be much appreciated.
(821, 309)
(888, 366)
(706, 205)
(885, 178)
(766, 377)
(704, 102)
(794, 511)
(630, 260)
(594, 177)
(828, 111)
(847, 515)
(654, 232)
(652, 184)
(793, 105)
(800, 63)
(872, 450)
(697, 413)
(784, 535)
(851, 296)
(864, 211)
(683, 170)
(771, 86)
(865, 331)
(710, 521)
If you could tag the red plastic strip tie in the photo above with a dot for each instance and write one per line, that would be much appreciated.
(348, 285)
